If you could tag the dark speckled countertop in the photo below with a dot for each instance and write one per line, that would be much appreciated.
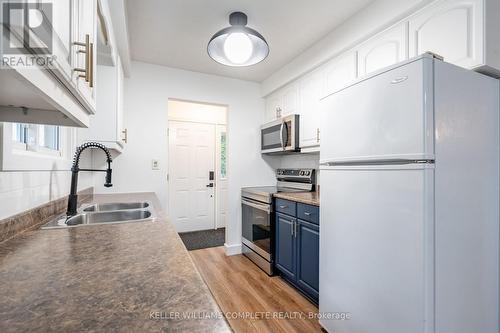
(310, 198)
(130, 277)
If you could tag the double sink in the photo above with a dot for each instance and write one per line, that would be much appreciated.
(106, 213)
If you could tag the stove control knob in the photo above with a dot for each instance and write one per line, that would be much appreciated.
(301, 173)
(308, 173)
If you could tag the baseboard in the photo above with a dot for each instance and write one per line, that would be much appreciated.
(232, 249)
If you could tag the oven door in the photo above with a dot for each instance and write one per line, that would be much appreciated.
(257, 227)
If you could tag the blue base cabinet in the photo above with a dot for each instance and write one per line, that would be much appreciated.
(307, 273)
(297, 245)
(286, 260)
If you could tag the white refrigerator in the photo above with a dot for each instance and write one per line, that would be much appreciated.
(409, 175)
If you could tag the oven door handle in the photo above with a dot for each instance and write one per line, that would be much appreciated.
(265, 208)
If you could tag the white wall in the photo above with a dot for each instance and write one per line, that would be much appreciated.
(146, 99)
(372, 19)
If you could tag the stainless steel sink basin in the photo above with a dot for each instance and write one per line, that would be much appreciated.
(106, 214)
(114, 206)
(108, 217)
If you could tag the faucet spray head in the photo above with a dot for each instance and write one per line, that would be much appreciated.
(108, 178)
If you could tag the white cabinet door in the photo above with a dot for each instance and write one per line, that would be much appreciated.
(64, 21)
(290, 99)
(283, 102)
(87, 26)
(385, 49)
(309, 95)
(273, 106)
(339, 72)
(452, 29)
(121, 132)
(107, 124)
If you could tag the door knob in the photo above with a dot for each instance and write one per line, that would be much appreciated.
(210, 185)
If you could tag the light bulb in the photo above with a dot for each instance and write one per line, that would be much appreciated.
(238, 48)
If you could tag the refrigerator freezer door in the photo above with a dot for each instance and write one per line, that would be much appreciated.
(376, 245)
(387, 116)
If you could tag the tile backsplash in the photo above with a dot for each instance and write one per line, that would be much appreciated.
(24, 190)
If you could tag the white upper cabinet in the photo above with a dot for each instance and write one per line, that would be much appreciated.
(273, 106)
(309, 96)
(290, 98)
(339, 72)
(283, 102)
(56, 89)
(465, 32)
(86, 55)
(64, 18)
(453, 29)
(107, 124)
(385, 49)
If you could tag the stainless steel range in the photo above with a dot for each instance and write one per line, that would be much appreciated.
(258, 213)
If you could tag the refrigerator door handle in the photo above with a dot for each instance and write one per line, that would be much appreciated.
(399, 79)
(380, 162)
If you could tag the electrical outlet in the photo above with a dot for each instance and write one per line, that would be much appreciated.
(155, 165)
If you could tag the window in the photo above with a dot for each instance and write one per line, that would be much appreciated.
(28, 147)
(223, 155)
(38, 138)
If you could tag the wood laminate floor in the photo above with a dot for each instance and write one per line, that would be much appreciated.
(242, 289)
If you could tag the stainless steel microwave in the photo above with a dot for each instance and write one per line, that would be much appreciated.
(281, 135)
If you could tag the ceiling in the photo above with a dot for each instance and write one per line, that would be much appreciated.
(175, 33)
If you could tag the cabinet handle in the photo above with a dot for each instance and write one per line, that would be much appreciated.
(317, 134)
(307, 214)
(278, 112)
(283, 207)
(292, 228)
(125, 136)
(91, 66)
(89, 60)
(295, 228)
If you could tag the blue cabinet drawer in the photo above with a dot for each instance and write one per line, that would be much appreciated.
(308, 213)
(286, 207)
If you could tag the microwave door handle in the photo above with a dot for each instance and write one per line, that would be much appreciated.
(284, 135)
(281, 135)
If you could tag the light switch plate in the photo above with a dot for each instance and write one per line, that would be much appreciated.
(155, 165)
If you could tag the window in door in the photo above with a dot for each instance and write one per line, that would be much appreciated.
(223, 155)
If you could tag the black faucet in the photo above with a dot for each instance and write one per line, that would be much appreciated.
(73, 198)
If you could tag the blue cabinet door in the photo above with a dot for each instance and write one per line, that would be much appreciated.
(308, 258)
(285, 245)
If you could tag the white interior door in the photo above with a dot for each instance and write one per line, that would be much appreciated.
(191, 160)
(376, 248)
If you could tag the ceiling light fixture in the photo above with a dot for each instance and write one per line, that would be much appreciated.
(238, 45)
